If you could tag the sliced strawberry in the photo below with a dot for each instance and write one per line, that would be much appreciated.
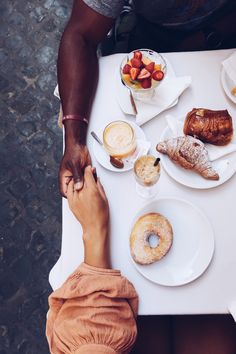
(157, 75)
(136, 63)
(134, 72)
(138, 55)
(144, 74)
(150, 67)
(126, 69)
(146, 83)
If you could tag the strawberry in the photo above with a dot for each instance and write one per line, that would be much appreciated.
(136, 63)
(134, 72)
(150, 67)
(138, 55)
(157, 75)
(126, 69)
(146, 83)
(144, 74)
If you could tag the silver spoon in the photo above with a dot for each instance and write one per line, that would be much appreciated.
(131, 98)
(118, 163)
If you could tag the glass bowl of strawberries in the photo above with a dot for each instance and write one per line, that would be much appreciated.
(142, 71)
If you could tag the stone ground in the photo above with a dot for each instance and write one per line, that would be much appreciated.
(31, 148)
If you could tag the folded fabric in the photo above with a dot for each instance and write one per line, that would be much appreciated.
(232, 309)
(94, 311)
(230, 67)
(215, 152)
(164, 97)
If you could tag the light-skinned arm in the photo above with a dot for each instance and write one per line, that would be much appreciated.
(90, 207)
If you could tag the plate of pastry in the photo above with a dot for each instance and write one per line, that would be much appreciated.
(181, 253)
(228, 85)
(200, 151)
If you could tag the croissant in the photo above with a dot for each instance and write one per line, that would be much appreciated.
(214, 127)
(189, 153)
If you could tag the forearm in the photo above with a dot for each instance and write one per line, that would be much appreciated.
(96, 249)
(77, 78)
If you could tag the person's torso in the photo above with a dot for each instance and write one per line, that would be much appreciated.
(177, 13)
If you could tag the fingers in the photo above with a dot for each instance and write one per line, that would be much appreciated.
(89, 177)
(63, 180)
(101, 189)
(77, 177)
(95, 176)
(70, 191)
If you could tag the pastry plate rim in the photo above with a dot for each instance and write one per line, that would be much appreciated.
(209, 234)
(224, 76)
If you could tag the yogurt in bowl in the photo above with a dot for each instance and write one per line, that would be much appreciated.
(142, 71)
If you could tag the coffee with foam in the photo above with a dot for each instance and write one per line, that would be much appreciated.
(146, 172)
(119, 139)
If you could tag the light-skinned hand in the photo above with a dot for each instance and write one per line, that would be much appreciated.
(90, 207)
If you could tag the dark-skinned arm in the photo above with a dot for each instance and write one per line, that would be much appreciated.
(77, 78)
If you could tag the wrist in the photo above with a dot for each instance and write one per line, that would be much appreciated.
(96, 250)
(75, 132)
(99, 235)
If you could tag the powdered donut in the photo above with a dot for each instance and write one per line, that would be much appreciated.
(147, 225)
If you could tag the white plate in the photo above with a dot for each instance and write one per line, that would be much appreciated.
(227, 84)
(192, 248)
(225, 166)
(103, 158)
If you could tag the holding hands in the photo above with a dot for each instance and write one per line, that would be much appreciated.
(76, 157)
(90, 207)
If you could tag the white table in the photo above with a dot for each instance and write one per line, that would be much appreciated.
(216, 288)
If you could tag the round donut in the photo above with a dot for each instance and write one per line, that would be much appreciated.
(147, 225)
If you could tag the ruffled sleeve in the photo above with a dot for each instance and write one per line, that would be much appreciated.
(93, 312)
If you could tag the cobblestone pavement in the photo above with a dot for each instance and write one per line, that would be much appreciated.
(31, 147)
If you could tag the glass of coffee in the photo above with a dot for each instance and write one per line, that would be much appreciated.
(119, 139)
(147, 174)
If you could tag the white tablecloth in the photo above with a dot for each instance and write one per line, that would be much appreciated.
(216, 288)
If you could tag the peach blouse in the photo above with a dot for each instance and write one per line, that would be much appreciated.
(93, 312)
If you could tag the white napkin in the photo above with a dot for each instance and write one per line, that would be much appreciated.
(214, 152)
(232, 309)
(165, 96)
(143, 147)
(230, 67)
(56, 92)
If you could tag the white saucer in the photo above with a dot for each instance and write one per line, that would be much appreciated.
(102, 157)
(227, 84)
(192, 248)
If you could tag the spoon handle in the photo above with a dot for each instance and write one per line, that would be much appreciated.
(131, 97)
(94, 135)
